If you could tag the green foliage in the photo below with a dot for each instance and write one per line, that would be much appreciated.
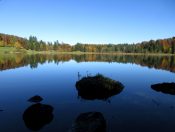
(166, 46)
(5, 50)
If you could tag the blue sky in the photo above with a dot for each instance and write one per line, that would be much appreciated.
(89, 21)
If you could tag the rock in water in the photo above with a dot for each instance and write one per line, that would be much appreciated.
(37, 116)
(35, 99)
(89, 122)
(98, 87)
(167, 88)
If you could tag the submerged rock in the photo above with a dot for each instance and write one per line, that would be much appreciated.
(37, 116)
(35, 99)
(98, 87)
(168, 88)
(89, 122)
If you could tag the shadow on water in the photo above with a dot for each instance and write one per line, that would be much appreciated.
(167, 88)
(89, 122)
(37, 116)
(98, 87)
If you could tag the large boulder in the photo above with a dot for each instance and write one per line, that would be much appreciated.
(89, 122)
(98, 87)
(167, 88)
(37, 116)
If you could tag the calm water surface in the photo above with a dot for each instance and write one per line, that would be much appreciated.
(137, 108)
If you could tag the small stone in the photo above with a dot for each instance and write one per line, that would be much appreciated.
(35, 99)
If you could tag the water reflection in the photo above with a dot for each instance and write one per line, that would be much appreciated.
(37, 115)
(18, 60)
(89, 122)
(167, 88)
(137, 108)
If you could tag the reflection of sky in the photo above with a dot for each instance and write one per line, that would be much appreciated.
(56, 84)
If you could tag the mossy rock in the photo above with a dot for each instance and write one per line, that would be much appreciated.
(98, 87)
(167, 88)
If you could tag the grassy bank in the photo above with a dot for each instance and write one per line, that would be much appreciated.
(10, 50)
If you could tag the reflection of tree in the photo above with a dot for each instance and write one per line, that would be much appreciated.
(37, 116)
(18, 60)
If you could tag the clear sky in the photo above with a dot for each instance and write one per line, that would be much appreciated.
(89, 21)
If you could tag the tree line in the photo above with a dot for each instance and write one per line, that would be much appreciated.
(32, 43)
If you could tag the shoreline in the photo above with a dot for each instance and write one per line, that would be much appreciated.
(6, 50)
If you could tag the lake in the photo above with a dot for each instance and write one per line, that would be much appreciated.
(138, 107)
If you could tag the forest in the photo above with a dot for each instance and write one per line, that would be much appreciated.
(166, 46)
